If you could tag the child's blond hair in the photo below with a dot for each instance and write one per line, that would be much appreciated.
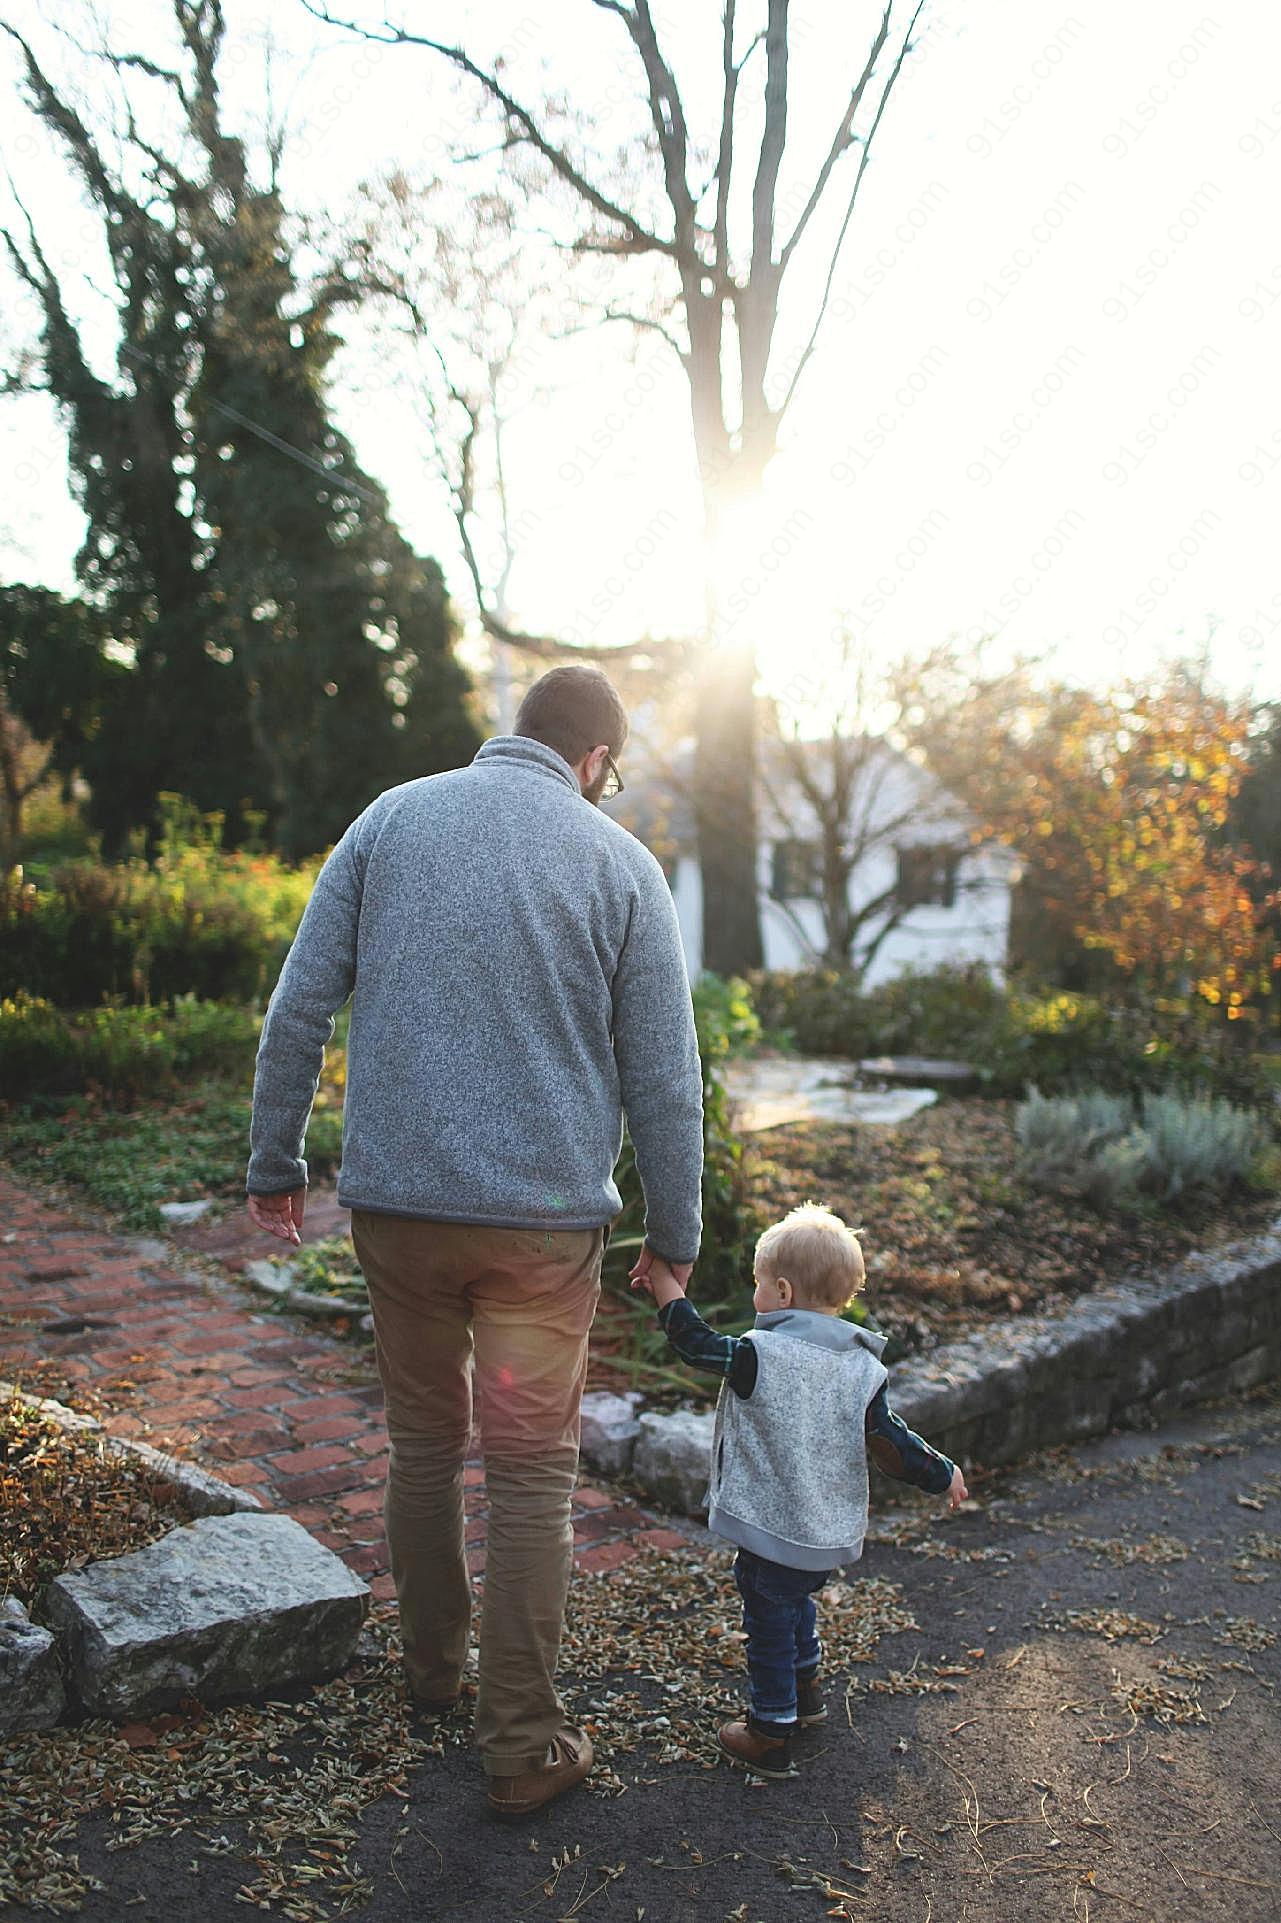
(817, 1253)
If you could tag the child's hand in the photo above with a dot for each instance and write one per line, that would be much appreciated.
(957, 1492)
(662, 1282)
(663, 1285)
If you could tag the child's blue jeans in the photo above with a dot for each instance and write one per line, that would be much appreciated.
(782, 1631)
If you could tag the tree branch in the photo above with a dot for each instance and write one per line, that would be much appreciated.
(843, 138)
(636, 320)
(139, 61)
(668, 115)
(725, 150)
(801, 932)
(56, 113)
(638, 238)
(773, 140)
(810, 344)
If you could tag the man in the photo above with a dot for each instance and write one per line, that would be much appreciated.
(517, 983)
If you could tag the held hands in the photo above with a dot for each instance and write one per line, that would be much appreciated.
(956, 1491)
(279, 1215)
(662, 1281)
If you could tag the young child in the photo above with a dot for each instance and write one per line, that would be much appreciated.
(801, 1408)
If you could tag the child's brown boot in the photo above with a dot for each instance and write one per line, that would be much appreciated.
(810, 1707)
(763, 1748)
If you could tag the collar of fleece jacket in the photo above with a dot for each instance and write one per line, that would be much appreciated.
(824, 1331)
(534, 755)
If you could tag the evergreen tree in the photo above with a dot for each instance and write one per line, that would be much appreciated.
(55, 683)
(290, 651)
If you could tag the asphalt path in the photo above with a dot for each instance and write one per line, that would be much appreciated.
(1084, 1725)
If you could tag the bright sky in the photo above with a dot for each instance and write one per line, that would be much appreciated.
(1045, 403)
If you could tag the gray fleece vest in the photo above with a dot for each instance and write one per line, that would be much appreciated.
(789, 1463)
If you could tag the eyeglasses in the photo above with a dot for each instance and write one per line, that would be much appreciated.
(613, 781)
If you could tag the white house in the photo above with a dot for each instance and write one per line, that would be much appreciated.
(948, 900)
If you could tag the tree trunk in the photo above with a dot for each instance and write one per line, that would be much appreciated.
(725, 809)
(11, 781)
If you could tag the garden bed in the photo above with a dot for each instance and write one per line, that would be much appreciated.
(954, 1235)
(69, 1499)
(128, 1159)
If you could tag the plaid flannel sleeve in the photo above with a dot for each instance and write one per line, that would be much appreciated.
(704, 1347)
(901, 1453)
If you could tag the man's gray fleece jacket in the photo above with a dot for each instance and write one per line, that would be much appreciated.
(518, 982)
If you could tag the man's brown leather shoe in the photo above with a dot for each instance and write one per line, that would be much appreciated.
(568, 1759)
(747, 1743)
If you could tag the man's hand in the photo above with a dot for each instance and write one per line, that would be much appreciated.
(957, 1493)
(642, 1277)
(279, 1215)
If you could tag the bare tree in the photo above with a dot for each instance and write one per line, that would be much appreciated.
(676, 205)
(450, 281)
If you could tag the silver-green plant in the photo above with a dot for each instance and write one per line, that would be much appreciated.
(1058, 1133)
(1099, 1146)
(1197, 1143)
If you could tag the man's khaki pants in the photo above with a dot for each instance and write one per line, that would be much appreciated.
(510, 1309)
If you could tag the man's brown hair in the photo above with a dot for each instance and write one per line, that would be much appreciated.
(574, 709)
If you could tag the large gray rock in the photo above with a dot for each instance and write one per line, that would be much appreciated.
(610, 1431)
(674, 1457)
(32, 1695)
(227, 1606)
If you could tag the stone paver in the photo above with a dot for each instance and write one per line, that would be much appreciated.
(265, 1402)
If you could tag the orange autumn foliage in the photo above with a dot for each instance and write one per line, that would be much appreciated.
(1118, 802)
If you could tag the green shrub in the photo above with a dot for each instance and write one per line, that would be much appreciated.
(1019, 1036)
(193, 921)
(1069, 1127)
(725, 1020)
(122, 1052)
(819, 1011)
(1112, 1150)
(954, 1010)
(725, 1016)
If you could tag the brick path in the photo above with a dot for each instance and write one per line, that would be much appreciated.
(264, 1401)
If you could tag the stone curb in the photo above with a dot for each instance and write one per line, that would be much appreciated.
(1125, 1355)
(205, 1495)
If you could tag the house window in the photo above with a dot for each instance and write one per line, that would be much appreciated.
(797, 871)
(927, 877)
